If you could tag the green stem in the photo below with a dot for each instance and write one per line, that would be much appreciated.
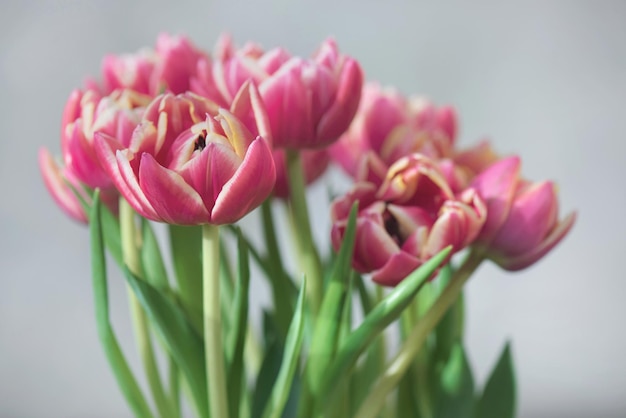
(131, 257)
(412, 345)
(213, 346)
(174, 379)
(309, 257)
(278, 280)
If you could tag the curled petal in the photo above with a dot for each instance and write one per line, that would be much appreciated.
(532, 215)
(338, 117)
(115, 161)
(288, 106)
(373, 246)
(209, 171)
(173, 200)
(251, 184)
(397, 267)
(497, 186)
(81, 159)
(60, 191)
(522, 261)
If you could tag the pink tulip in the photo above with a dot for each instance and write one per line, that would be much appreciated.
(213, 172)
(167, 68)
(314, 164)
(63, 187)
(405, 221)
(116, 115)
(85, 113)
(310, 103)
(522, 223)
(392, 126)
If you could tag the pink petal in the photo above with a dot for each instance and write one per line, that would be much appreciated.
(524, 260)
(373, 246)
(338, 117)
(288, 106)
(209, 171)
(81, 159)
(496, 186)
(251, 184)
(532, 216)
(60, 191)
(396, 269)
(115, 161)
(175, 201)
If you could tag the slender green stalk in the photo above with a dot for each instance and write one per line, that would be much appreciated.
(123, 374)
(412, 345)
(309, 257)
(174, 379)
(213, 346)
(131, 257)
(280, 289)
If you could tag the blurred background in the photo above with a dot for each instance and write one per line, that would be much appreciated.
(546, 80)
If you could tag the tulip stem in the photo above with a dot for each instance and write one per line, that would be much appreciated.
(213, 346)
(309, 258)
(279, 281)
(375, 401)
(131, 257)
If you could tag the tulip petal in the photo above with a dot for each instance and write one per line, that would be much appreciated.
(532, 216)
(397, 267)
(373, 246)
(497, 185)
(115, 161)
(524, 260)
(81, 159)
(59, 190)
(337, 118)
(209, 171)
(175, 201)
(288, 105)
(251, 184)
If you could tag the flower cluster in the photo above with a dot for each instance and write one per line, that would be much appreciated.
(191, 137)
(417, 193)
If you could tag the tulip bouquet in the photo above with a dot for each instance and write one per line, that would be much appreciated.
(197, 140)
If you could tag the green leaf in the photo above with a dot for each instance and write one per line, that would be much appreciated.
(456, 386)
(151, 259)
(283, 385)
(387, 311)
(450, 328)
(498, 397)
(184, 344)
(269, 367)
(407, 399)
(237, 333)
(124, 376)
(186, 247)
(328, 321)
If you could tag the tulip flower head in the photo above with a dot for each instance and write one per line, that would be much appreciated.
(215, 171)
(85, 113)
(406, 220)
(166, 68)
(310, 102)
(522, 223)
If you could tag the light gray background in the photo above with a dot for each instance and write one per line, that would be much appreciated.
(542, 79)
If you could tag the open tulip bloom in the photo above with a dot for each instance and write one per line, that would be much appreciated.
(195, 141)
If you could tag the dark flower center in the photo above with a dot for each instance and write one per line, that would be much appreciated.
(200, 143)
(393, 228)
